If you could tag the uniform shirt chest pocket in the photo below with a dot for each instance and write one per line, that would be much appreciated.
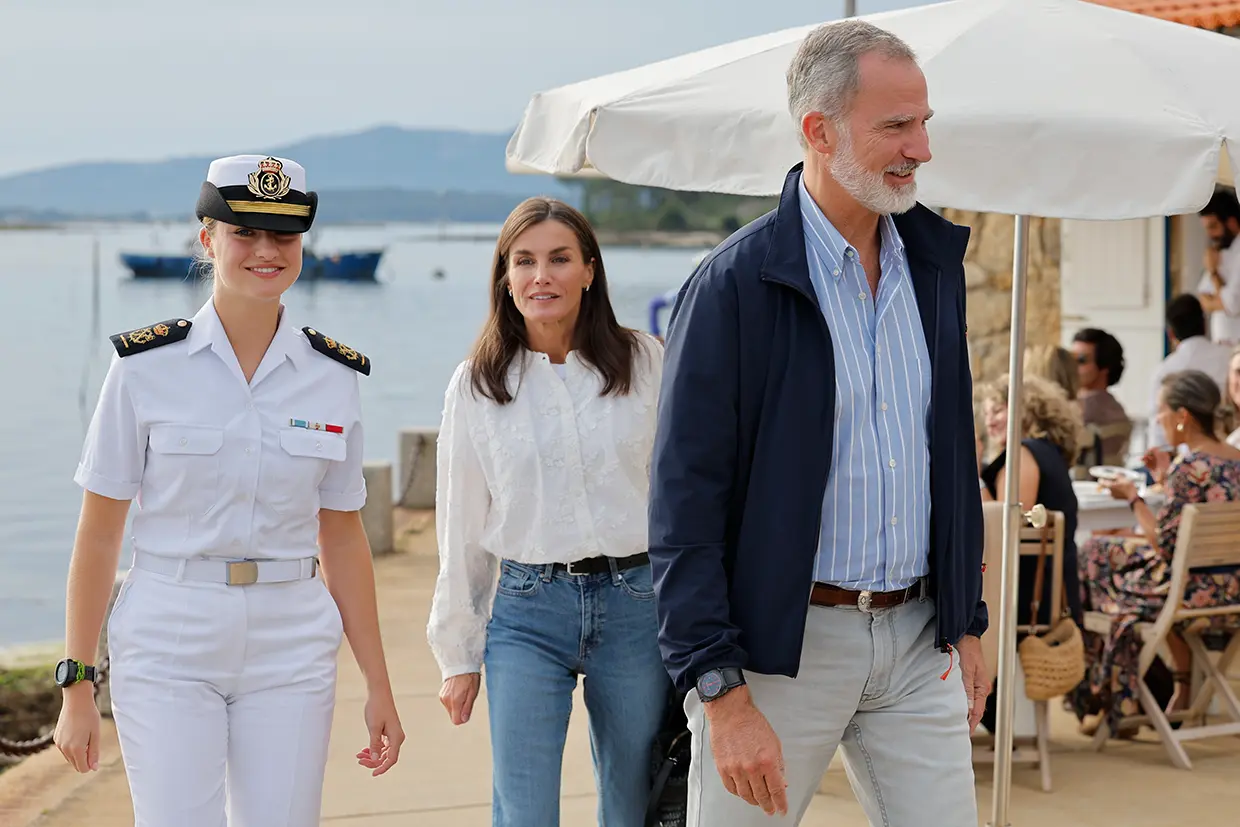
(183, 468)
(292, 476)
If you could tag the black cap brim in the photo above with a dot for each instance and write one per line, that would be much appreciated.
(214, 203)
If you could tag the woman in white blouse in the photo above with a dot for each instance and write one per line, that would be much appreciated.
(543, 472)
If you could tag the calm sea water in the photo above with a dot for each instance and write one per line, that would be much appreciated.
(56, 317)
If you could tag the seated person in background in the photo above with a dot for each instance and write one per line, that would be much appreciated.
(1231, 408)
(1100, 364)
(1051, 433)
(1186, 327)
(1127, 577)
(1054, 364)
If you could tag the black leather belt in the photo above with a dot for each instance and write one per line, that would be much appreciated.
(600, 565)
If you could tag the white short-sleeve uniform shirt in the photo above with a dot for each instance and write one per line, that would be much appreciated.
(220, 467)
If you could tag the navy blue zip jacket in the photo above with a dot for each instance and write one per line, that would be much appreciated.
(744, 446)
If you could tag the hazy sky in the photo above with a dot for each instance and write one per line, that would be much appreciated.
(145, 80)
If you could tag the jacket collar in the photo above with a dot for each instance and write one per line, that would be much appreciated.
(925, 243)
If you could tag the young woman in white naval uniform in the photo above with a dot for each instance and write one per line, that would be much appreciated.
(240, 435)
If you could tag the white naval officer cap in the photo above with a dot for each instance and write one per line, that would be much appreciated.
(261, 192)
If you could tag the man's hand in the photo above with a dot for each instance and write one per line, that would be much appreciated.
(973, 671)
(1211, 262)
(747, 752)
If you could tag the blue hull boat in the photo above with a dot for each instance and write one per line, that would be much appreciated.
(359, 266)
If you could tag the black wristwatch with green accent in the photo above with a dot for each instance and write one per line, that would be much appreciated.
(69, 672)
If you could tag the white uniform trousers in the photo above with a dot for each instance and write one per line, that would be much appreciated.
(872, 683)
(223, 699)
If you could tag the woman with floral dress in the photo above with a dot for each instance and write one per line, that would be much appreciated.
(1126, 577)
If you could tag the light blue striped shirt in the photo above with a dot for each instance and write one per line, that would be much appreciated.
(875, 531)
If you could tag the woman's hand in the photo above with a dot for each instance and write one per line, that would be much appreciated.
(77, 729)
(1157, 461)
(386, 736)
(1121, 488)
(458, 694)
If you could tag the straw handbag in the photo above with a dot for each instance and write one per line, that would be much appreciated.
(1054, 663)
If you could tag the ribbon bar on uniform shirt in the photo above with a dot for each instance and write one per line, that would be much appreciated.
(315, 426)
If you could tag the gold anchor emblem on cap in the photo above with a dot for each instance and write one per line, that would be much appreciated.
(269, 181)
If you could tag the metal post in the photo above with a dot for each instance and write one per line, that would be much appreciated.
(850, 8)
(1012, 519)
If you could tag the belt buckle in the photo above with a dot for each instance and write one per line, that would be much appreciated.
(241, 573)
(568, 567)
(864, 600)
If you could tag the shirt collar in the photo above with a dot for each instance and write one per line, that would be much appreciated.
(830, 244)
(208, 331)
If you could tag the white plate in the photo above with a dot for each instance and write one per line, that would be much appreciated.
(1102, 472)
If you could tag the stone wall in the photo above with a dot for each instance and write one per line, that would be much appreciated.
(988, 277)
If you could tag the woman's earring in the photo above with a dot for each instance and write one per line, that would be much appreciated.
(1180, 427)
(587, 288)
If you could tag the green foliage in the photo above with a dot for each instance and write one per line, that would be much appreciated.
(611, 205)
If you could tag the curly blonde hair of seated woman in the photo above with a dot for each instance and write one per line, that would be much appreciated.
(1046, 413)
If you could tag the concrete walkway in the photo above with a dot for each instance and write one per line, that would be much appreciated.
(443, 779)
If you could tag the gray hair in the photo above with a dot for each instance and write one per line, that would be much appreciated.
(823, 75)
(1195, 392)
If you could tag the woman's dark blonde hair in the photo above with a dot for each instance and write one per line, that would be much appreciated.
(598, 338)
(1045, 412)
(1056, 364)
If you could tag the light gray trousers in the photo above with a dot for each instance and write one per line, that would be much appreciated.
(872, 683)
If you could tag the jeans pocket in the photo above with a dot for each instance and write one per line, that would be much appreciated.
(638, 583)
(517, 580)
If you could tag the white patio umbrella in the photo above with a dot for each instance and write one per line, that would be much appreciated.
(1054, 108)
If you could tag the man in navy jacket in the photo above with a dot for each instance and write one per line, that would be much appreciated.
(815, 517)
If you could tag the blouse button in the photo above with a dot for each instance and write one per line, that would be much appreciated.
(318, 446)
(184, 440)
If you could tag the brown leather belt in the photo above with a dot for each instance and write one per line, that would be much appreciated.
(824, 594)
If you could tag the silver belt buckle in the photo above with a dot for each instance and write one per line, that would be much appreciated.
(241, 573)
(864, 599)
(568, 567)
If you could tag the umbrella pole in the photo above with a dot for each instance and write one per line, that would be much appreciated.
(1013, 516)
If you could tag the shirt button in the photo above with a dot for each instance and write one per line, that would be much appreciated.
(848, 253)
(184, 440)
(878, 348)
(835, 272)
(884, 406)
(247, 450)
(893, 520)
(861, 296)
(318, 446)
(892, 463)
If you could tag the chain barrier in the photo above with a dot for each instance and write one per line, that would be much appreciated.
(12, 751)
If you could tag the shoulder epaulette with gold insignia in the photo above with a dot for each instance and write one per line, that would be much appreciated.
(146, 338)
(339, 351)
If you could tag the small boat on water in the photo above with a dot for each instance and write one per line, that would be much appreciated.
(666, 300)
(358, 266)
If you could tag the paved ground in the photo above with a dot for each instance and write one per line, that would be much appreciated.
(444, 775)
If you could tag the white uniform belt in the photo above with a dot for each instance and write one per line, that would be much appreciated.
(229, 572)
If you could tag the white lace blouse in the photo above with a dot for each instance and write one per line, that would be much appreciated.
(559, 474)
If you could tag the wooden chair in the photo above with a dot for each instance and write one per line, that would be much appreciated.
(1209, 535)
(1030, 544)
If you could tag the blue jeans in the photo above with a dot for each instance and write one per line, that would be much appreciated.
(547, 628)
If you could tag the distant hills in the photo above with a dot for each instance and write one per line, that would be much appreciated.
(386, 173)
